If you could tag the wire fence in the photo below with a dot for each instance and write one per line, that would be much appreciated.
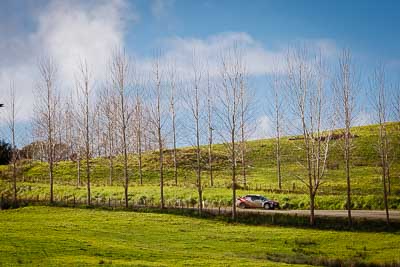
(111, 203)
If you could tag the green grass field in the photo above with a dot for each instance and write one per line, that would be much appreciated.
(366, 182)
(54, 236)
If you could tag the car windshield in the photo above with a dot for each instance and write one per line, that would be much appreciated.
(264, 199)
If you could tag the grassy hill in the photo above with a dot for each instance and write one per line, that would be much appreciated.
(366, 181)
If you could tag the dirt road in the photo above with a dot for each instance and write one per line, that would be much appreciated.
(367, 214)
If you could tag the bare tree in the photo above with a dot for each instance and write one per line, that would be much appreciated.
(243, 125)
(68, 122)
(172, 102)
(306, 87)
(84, 94)
(96, 133)
(396, 105)
(139, 120)
(45, 112)
(277, 115)
(73, 134)
(232, 74)
(78, 142)
(345, 86)
(11, 119)
(210, 128)
(108, 112)
(378, 84)
(138, 125)
(157, 121)
(119, 70)
(193, 103)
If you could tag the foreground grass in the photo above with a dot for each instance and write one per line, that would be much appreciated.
(53, 236)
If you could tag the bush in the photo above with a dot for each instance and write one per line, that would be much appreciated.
(5, 153)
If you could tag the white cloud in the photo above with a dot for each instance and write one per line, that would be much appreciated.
(70, 34)
(67, 32)
(263, 128)
(327, 47)
(259, 61)
(363, 118)
(258, 58)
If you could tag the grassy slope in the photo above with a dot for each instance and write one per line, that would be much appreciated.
(366, 183)
(52, 236)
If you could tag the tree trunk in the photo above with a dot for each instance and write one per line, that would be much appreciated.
(125, 166)
(312, 208)
(50, 150)
(174, 141)
(388, 178)
(140, 161)
(278, 162)
(385, 198)
(51, 179)
(384, 162)
(243, 158)
(13, 145)
(14, 182)
(199, 185)
(160, 147)
(139, 136)
(197, 118)
(347, 163)
(88, 182)
(87, 141)
(210, 166)
(79, 170)
(242, 128)
(111, 170)
(233, 155)
(278, 140)
(210, 130)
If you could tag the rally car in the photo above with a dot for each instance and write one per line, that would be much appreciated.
(256, 201)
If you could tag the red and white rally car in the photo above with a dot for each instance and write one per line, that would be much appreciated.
(256, 201)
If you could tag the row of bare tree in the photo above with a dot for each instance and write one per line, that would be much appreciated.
(130, 113)
(316, 102)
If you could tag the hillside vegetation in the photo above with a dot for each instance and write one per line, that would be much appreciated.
(366, 181)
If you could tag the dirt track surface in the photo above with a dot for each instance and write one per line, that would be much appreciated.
(366, 214)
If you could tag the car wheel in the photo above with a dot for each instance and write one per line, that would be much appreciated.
(242, 205)
(267, 206)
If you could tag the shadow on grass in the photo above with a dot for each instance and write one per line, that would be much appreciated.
(224, 215)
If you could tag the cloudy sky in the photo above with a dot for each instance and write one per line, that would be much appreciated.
(70, 30)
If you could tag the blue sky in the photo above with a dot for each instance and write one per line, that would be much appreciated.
(66, 30)
(371, 28)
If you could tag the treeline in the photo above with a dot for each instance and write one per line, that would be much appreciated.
(132, 111)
